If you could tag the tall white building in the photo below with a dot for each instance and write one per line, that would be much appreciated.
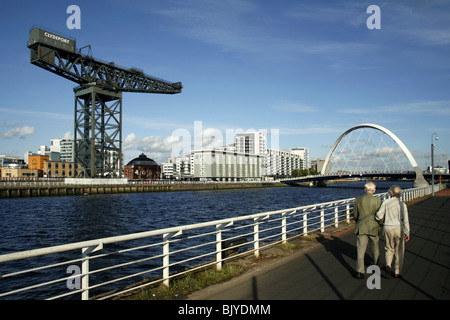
(251, 143)
(304, 155)
(64, 147)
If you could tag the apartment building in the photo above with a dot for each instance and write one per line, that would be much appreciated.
(282, 163)
(184, 167)
(303, 152)
(53, 169)
(223, 165)
(251, 143)
(64, 147)
(247, 159)
(167, 170)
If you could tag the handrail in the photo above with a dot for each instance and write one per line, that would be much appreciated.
(260, 230)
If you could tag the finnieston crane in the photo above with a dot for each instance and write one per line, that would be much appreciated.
(98, 98)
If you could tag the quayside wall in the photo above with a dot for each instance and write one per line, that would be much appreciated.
(69, 190)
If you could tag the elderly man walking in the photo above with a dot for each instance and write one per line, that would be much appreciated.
(367, 228)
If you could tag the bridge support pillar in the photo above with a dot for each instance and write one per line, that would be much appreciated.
(321, 183)
(420, 181)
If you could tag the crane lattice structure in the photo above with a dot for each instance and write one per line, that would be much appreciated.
(98, 98)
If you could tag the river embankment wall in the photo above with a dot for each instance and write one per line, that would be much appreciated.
(76, 189)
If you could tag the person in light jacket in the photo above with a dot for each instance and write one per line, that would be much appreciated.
(367, 229)
(394, 213)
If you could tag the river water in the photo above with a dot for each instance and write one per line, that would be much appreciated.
(31, 223)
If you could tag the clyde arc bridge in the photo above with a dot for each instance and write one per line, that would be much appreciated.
(368, 150)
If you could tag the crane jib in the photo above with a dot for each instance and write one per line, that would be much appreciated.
(58, 54)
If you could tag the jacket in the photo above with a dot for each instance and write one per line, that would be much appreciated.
(364, 210)
(394, 212)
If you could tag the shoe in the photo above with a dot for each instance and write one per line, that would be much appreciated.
(360, 275)
(397, 276)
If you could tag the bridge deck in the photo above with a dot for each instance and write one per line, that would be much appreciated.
(326, 270)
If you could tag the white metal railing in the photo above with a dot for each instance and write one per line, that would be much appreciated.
(354, 174)
(61, 271)
(36, 182)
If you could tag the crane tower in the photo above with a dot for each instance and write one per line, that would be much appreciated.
(98, 98)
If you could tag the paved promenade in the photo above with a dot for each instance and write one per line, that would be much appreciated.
(326, 270)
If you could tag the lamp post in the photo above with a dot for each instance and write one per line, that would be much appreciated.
(432, 162)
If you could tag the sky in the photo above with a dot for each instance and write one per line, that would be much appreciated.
(304, 72)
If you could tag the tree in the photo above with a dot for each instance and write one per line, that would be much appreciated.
(303, 172)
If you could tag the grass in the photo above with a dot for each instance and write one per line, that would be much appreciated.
(188, 283)
(185, 284)
(310, 237)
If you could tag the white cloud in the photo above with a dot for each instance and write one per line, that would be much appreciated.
(424, 24)
(310, 130)
(20, 132)
(438, 107)
(356, 111)
(246, 27)
(288, 106)
(150, 144)
(68, 135)
(39, 114)
(349, 13)
(154, 147)
(179, 143)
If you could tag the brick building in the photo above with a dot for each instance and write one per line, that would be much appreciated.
(142, 167)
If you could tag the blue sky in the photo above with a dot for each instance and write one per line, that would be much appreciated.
(309, 69)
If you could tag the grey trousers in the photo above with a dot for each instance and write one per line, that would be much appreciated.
(361, 244)
(395, 249)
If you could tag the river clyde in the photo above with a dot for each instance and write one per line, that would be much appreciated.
(32, 223)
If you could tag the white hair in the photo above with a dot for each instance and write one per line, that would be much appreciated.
(370, 186)
(395, 191)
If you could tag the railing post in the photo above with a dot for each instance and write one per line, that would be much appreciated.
(283, 227)
(256, 235)
(305, 223)
(336, 216)
(347, 212)
(219, 248)
(166, 253)
(85, 252)
(322, 220)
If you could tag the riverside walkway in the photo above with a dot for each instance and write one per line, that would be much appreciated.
(326, 269)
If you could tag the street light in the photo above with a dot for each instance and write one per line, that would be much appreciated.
(432, 163)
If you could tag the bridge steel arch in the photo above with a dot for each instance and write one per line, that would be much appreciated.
(420, 180)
